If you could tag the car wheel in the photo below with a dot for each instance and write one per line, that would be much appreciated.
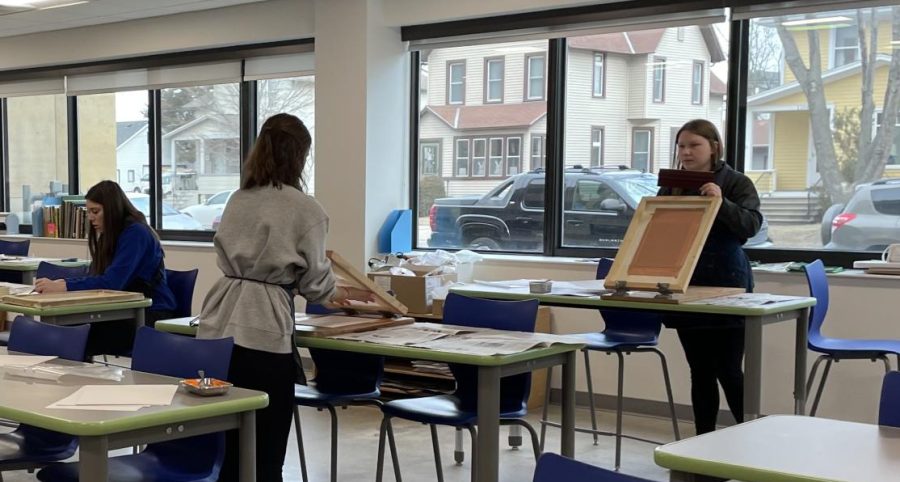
(827, 218)
(485, 244)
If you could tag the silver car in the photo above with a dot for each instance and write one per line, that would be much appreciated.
(869, 222)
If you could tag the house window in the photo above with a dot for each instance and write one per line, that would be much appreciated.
(513, 155)
(697, 83)
(493, 80)
(456, 82)
(760, 161)
(642, 149)
(534, 82)
(599, 89)
(222, 156)
(680, 34)
(538, 152)
(596, 146)
(846, 46)
(186, 153)
(479, 158)
(131, 175)
(461, 162)
(496, 157)
(430, 158)
(659, 79)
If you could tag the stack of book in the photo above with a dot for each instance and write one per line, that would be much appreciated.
(67, 219)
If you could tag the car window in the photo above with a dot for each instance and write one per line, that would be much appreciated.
(887, 201)
(534, 194)
(501, 191)
(638, 187)
(590, 194)
(218, 198)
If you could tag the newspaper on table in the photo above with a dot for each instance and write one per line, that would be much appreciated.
(585, 288)
(463, 340)
(746, 300)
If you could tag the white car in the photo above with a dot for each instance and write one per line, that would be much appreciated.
(171, 218)
(205, 213)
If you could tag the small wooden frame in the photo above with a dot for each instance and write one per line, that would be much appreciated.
(330, 325)
(662, 244)
(347, 275)
(70, 298)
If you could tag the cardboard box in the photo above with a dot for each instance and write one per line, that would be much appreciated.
(413, 291)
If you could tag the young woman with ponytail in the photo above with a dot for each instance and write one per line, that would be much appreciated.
(270, 245)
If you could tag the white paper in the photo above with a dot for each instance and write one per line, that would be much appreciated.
(23, 360)
(108, 408)
(406, 335)
(745, 300)
(120, 395)
(16, 288)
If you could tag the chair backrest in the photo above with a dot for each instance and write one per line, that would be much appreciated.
(36, 338)
(552, 467)
(889, 408)
(55, 271)
(15, 248)
(344, 372)
(639, 325)
(818, 289)
(500, 315)
(182, 285)
(182, 356)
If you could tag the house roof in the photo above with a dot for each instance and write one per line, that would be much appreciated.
(717, 86)
(126, 130)
(642, 42)
(492, 116)
(828, 77)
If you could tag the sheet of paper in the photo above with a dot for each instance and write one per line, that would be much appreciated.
(15, 288)
(108, 408)
(745, 300)
(483, 345)
(406, 335)
(121, 395)
(23, 360)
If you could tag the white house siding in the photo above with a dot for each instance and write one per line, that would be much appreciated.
(133, 155)
(638, 87)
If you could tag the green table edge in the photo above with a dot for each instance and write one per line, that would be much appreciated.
(774, 308)
(14, 266)
(77, 309)
(728, 471)
(185, 414)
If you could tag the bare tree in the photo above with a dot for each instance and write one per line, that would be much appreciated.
(873, 149)
(764, 66)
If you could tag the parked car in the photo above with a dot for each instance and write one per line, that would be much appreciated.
(171, 218)
(598, 205)
(206, 212)
(166, 184)
(870, 220)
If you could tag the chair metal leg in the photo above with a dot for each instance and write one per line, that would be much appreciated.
(302, 452)
(437, 452)
(815, 406)
(590, 387)
(619, 402)
(812, 372)
(665, 370)
(514, 437)
(458, 453)
(546, 406)
(379, 466)
(395, 457)
(334, 443)
(887, 363)
(517, 422)
(474, 434)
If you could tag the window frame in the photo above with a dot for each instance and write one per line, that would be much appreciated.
(439, 156)
(834, 48)
(602, 57)
(697, 82)
(448, 100)
(650, 146)
(601, 131)
(542, 154)
(528, 97)
(659, 66)
(488, 61)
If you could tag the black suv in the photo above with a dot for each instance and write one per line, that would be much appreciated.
(598, 205)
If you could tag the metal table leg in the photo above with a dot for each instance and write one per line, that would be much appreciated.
(93, 458)
(800, 341)
(247, 446)
(567, 435)
(752, 366)
(487, 458)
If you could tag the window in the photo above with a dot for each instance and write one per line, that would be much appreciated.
(297, 96)
(642, 149)
(697, 83)
(659, 79)
(456, 82)
(222, 156)
(680, 34)
(462, 157)
(538, 152)
(846, 45)
(760, 160)
(479, 157)
(599, 74)
(513, 155)
(496, 154)
(493, 80)
(38, 144)
(430, 158)
(534, 82)
(534, 194)
(131, 175)
(596, 146)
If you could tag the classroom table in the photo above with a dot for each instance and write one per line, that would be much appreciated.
(27, 267)
(490, 370)
(787, 448)
(754, 319)
(86, 313)
(25, 400)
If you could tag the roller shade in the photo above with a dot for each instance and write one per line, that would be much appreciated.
(33, 87)
(794, 8)
(154, 78)
(279, 66)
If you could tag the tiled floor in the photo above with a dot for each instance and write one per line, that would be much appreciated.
(359, 446)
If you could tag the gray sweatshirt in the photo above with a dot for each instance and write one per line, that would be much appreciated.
(275, 236)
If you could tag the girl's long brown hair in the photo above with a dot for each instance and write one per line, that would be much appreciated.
(279, 155)
(118, 213)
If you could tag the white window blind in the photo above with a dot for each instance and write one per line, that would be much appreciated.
(279, 66)
(33, 87)
(775, 9)
(154, 78)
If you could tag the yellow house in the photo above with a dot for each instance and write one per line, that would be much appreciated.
(780, 153)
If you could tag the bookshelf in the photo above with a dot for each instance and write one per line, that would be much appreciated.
(64, 217)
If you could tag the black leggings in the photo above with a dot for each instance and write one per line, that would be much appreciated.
(714, 354)
(273, 373)
(117, 337)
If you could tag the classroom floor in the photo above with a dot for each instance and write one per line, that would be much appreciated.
(358, 447)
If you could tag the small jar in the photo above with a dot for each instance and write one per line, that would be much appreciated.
(540, 286)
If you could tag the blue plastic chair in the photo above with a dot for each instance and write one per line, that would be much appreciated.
(30, 447)
(182, 285)
(889, 408)
(15, 248)
(195, 459)
(552, 468)
(460, 409)
(625, 332)
(55, 271)
(836, 349)
(342, 379)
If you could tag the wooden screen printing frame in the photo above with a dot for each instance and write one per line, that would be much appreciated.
(346, 275)
(662, 244)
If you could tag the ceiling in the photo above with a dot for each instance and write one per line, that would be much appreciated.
(18, 20)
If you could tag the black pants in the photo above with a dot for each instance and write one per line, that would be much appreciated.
(117, 337)
(272, 373)
(714, 355)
